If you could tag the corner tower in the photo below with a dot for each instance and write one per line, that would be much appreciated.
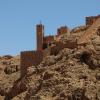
(40, 35)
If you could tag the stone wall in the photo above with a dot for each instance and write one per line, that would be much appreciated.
(29, 58)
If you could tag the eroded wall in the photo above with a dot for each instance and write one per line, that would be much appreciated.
(59, 46)
(47, 40)
(91, 19)
(29, 58)
(62, 30)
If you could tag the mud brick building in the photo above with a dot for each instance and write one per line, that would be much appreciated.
(29, 58)
(91, 19)
(47, 41)
(40, 36)
(62, 30)
(44, 48)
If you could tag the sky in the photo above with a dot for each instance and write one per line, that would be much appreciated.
(18, 19)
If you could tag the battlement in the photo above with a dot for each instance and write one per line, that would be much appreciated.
(91, 19)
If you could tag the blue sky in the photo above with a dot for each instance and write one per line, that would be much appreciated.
(19, 17)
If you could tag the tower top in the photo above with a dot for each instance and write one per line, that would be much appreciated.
(40, 24)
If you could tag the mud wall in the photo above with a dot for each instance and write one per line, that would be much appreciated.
(62, 30)
(29, 58)
(90, 20)
(59, 46)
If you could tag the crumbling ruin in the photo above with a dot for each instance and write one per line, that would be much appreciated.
(29, 58)
(91, 19)
(51, 44)
(62, 67)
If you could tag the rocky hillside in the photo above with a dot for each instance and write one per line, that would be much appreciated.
(72, 74)
(9, 72)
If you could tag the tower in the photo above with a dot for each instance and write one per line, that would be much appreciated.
(40, 35)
